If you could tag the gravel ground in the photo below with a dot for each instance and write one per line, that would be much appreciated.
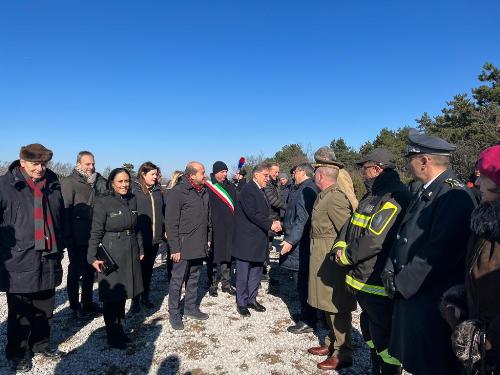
(223, 344)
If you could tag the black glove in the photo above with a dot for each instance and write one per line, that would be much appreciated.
(389, 283)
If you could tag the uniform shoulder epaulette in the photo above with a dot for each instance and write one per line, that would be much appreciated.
(454, 183)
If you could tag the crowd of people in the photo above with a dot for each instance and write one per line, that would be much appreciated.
(422, 260)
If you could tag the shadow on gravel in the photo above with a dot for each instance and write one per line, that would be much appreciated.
(170, 366)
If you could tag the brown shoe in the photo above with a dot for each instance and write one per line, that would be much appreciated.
(319, 350)
(333, 363)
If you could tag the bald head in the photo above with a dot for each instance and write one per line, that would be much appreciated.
(195, 171)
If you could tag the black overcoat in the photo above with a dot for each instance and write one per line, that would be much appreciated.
(187, 221)
(222, 222)
(79, 197)
(251, 225)
(114, 223)
(428, 257)
(23, 269)
(150, 214)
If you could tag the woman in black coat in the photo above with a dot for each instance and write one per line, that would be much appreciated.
(150, 223)
(114, 224)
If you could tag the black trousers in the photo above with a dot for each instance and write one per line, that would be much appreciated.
(78, 267)
(189, 271)
(221, 270)
(113, 313)
(28, 322)
(300, 282)
(147, 264)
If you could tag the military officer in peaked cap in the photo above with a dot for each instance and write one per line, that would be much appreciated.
(427, 258)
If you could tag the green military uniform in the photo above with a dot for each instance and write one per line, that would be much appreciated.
(327, 290)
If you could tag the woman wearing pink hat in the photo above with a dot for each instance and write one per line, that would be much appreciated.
(476, 339)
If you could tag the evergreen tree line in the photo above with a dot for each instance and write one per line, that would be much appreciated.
(467, 121)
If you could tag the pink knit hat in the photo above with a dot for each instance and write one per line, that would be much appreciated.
(489, 164)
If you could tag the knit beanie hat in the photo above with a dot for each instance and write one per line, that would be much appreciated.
(219, 166)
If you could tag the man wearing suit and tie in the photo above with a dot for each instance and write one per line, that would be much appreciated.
(250, 240)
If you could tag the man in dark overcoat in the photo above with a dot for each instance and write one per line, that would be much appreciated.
(294, 252)
(222, 200)
(31, 244)
(427, 258)
(188, 229)
(79, 191)
(250, 240)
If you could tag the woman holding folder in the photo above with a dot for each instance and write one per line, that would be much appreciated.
(115, 250)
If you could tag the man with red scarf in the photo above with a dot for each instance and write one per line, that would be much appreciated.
(188, 228)
(31, 244)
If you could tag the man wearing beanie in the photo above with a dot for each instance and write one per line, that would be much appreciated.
(222, 197)
(31, 241)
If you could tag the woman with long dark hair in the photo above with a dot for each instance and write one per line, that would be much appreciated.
(150, 211)
(114, 224)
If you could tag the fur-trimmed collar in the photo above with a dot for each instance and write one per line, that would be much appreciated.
(485, 220)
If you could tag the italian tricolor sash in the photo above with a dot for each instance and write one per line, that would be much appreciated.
(221, 193)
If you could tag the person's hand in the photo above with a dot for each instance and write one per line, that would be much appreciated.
(209, 243)
(98, 264)
(276, 227)
(286, 247)
(141, 257)
(176, 257)
(338, 254)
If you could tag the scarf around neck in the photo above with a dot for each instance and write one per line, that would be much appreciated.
(89, 179)
(45, 239)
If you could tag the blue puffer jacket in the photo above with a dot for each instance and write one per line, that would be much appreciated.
(297, 225)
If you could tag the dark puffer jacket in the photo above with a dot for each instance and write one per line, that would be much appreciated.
(150, 214)
(23, 269)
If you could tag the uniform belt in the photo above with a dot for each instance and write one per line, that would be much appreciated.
(126, 232)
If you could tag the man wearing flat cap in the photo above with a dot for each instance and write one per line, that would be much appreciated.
(326, 289)
(427, 258)
(363, 247)
(31, 244)
(222, 199)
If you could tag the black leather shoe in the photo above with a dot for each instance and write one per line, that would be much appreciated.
(115, 344)
(256, 306)
(229, 290)
(243, 311)
(135, 307)
(212, 291)
(81, 314)
(20, 365)
(300, 327)
(52, 353)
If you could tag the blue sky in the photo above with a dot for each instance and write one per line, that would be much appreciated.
(172, 81)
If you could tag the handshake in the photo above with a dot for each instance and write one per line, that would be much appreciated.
(276, 227)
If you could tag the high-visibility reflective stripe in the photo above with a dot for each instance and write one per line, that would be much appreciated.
(367, 288)
(343, 258)
(341, 244)
(370, 344)
(360, 220)
(387, 358)
(389, 207)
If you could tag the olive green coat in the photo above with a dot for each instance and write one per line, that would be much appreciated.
(327, 289)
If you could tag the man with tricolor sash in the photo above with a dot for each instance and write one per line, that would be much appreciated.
(222, 195)
(363, 248)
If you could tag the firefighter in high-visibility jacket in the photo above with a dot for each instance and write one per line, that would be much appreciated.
(363, 247)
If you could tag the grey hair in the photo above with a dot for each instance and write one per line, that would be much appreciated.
(81, 154)
(329, 173)
(440, 160)
(191, 168)
(272, 164)
(259, 168)
(306, 167)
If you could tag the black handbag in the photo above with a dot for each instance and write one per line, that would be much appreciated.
(109, 264)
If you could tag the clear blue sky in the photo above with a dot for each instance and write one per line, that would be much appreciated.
(172, 81)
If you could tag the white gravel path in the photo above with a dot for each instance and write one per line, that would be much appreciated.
(223, 344)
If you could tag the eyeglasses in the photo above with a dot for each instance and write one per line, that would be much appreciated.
(365, 167)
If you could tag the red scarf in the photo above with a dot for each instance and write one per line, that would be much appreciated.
(196, 187)
(45, 239)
